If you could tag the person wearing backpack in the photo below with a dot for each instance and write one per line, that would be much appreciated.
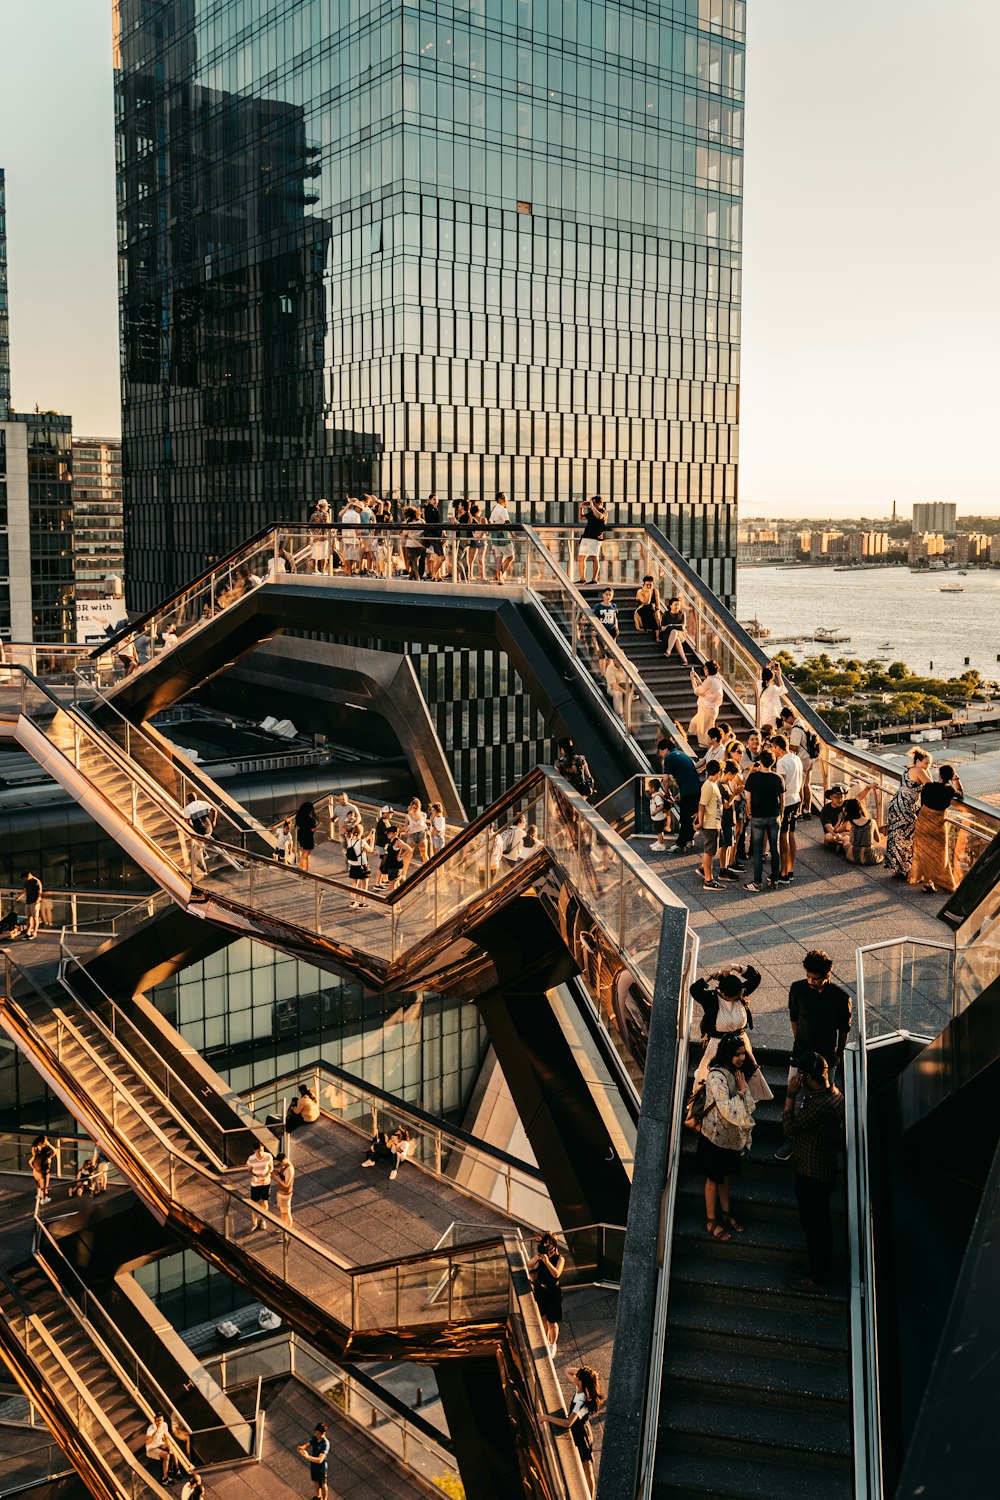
(357, 847)
(805, 744)
(659, 814)
(571, 764)
(725, 1134)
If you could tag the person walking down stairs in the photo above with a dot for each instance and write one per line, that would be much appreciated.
(813, 1122)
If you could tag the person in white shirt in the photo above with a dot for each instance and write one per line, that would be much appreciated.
(158, 1443)
(798, 742)
(500, 538)
(283, 843)
(789, 768)
(260, 1165)
(511, 839)
(438, 826)
(709, 692)
(194, 1489)
(340, 812)
(350, 518)
(771, 689)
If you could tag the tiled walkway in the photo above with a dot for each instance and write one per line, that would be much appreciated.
(832, 905)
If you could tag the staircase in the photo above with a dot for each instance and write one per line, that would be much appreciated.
(756, 1387)
(667, 678)
(79, 1365)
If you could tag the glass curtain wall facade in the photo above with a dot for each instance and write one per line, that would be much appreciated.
(451, 247)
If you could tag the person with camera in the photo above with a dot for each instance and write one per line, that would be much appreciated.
(594, 515)
(545, 1270)
(725, 1012)
(725, 1134)
(813, 1122)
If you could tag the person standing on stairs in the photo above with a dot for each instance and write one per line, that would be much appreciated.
(726, 1132)
(725, 1012)
(813, 1122)
(594, 515)
(606, 613)
(709, 692)
(682, 769)
(819, 1012)
(284, 1182)
(771, 689)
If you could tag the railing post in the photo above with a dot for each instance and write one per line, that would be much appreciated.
(437, 1152)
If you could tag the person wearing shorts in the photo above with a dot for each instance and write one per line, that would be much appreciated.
(317, 1451)
(789, 768)
(500, 539)
(709, 820)
(594, 516)
(260, 1165)
(350, 546)
(32, 902)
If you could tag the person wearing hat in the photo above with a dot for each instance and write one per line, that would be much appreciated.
(321, 539)
(383, 832)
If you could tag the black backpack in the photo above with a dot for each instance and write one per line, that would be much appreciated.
(581, 778)
(813, 745)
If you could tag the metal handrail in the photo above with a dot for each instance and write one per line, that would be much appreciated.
(111, 1034)
(668, 1216)
(865, 1420)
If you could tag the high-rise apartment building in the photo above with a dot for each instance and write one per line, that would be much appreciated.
(417, 250)
(971, 547)
(939, 515)
(4, 328)
(36, 518)
(97, 534)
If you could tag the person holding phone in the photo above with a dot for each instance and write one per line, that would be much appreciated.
(545, 1269)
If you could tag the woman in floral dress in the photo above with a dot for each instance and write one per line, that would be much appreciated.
(901, 820)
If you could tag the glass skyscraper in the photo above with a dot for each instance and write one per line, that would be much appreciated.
(427, 247)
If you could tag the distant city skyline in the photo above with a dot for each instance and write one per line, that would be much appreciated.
(868, 366)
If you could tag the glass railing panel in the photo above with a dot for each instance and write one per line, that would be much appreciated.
(367, 929)
(907, 987)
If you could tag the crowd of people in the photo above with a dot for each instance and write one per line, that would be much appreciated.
(746, 795)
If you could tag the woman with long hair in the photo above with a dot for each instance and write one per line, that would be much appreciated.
(901, 819)
(584, 1404)
(726, 1130)
(931, 864)
(859, 836)
(545, 1269)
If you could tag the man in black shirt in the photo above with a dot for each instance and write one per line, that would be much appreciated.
(607, 613)
(594, 516)
(813, 1123)
(32, 901)
(820, 1016)
(765, 789)
(830, 816)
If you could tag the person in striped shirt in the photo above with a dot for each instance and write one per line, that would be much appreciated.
(260, 1165)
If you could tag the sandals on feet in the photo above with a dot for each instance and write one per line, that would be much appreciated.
(736, 1227)
(717, 1231)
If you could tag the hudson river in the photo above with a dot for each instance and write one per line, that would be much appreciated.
(888, 612)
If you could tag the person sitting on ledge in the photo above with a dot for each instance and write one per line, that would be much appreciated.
(304, 1110)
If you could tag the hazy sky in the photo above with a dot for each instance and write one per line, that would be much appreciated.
(871, 223)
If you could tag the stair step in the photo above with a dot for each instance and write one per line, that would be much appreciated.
(680, 1473)
(798, 1380)
(725, 1274)
(748, 1427)
(756, 1321)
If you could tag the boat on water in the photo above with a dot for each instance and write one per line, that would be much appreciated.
(952, 588)
(830, 636)
(756, 630)
(962, 573)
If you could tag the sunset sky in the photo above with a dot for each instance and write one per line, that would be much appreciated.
(869, 370)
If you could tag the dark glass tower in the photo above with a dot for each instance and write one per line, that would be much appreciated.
(4, 325)
(489, 246)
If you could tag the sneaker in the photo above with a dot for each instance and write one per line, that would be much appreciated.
(786, 879)
(393, 1175)
(752, 885)
(784, 1152)
(367, 1163)
(712, 885)
(679, 849)
(46, 1200)
(772, 885)
(729, 873)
